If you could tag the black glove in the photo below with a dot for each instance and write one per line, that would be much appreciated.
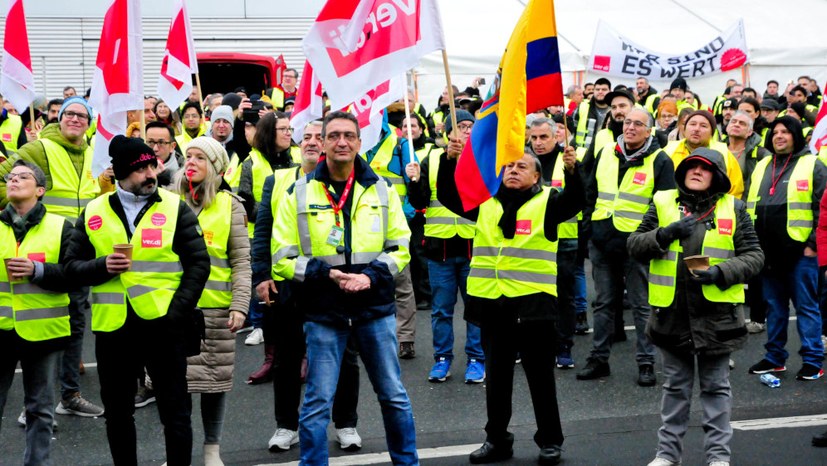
(680, 229)
(706, 277)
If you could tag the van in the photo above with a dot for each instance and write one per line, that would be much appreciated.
(225, 71)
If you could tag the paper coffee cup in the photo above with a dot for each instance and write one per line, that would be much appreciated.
(6, 263)
(696, 262)
(125, 249)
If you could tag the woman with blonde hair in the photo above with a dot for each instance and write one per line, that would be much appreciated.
(226, 297)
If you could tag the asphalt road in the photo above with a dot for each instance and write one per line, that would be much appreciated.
(610, 422)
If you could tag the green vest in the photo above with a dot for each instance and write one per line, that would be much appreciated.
(628, 203)
(649, 104)
(283, 179)
(34, 313)
(156, 270)
(382, 158)
(439, 221)
(523, 265)
(233, 173)
(215, 223)
(603, 137)
(70, 193)
(567, 229)
(585, 126)
(799, 195)
(277, 97)
(183, 139)
(718, 245)
(10, 130)
(260, 171)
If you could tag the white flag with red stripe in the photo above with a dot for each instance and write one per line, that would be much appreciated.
(309, 104)
(370, 108)
(354, 45)
(819, 131)
(117, 84)
(179, 63)
(17, 78)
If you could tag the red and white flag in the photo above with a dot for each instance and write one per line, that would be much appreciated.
(179, 63)
(281, 67)
(117, 84)
(355, 45)
(819, 131)
(17, 79)
(309, 103)
(370, 108)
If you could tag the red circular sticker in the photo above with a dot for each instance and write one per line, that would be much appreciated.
(159, 219)
(733, 58)
(95, 222)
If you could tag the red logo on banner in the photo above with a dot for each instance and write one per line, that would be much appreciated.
(640, 178)
(37, 256)
(151, 238)
(158, 219)
(523, 227)
(802, 185)
(602, 63)
(733, 58)
(556, 183)
(725, 226)
(95, 222)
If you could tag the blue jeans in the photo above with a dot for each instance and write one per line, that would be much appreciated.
(39, 380)
(255, 315)
(802, 287)
(580, 301)
(446, 277)
(376, 340)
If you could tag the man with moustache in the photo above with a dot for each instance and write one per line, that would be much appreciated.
(647, 95)
(588, 118)
(145, 301)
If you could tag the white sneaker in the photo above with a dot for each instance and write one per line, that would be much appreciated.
(658, 461)
(756, 327)
(824, 343)
(21, 420)
(256, 337)
(349, 439)
(719, 463)
(283, 439)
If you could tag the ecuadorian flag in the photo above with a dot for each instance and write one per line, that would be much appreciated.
(528, 79)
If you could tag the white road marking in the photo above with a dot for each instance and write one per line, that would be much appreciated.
(85, 366)
(384, 457)
(781, 422)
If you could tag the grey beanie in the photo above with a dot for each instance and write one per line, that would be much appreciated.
(462, 115)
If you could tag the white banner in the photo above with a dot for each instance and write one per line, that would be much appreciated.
(615, 55)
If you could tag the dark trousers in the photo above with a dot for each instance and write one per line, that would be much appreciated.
(419, 263)
(70, 360)
(285, 326)
(120, 354)
(502, 338)
(566, 266)
(755, 300)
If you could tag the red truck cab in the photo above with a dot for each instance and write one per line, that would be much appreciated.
(225, 71)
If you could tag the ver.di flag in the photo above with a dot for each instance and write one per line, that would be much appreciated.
(17, 78)
(309, 103)
(179, 63)
(354, 46)
(117, 83)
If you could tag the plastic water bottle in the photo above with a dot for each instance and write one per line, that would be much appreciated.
(770, 380)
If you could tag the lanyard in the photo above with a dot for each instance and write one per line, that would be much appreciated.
(343, 198)
(780, 174)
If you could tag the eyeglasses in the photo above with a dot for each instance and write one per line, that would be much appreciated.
(152, 142)
(635, 123)
(349, 136)
(465, 127)
(80, 116)
(286, 130)
(23, 176)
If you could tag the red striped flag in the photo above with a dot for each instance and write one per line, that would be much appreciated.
(179, 63)
(17, 78)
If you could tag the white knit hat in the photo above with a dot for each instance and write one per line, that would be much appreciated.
(215, 152)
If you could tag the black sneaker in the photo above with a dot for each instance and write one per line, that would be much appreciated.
(407, 350)
(809, 372)
(581, 327)
(763, 366)
(646, 375)
(490, 453)
(594, 370)
(143, 397)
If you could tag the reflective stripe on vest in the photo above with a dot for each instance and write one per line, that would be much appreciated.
(440, 222)
(10, 131)
(567, 229)
(156, 270)
(718, 244)
(215, 223)
(799, 195)
(70, 192)
(523, 265)
(34, 313)
(585, 126)
(283, 178)
(628, 203)
(260, 170)
(382, 159)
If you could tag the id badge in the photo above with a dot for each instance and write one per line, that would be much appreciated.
(335, 236)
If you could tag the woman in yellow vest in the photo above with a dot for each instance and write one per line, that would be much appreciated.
(34, 323)
(226, 297)
(697, 316)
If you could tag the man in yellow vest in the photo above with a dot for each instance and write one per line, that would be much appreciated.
(282, 323)
(143, 305)
(279, 94)
(192, 117)
(625, 177)
(698, 130)
(12, 133)
(588, 118)
(34, 322)
(698, 315)
(340, 237)
(783, 201)
(66, 159)
(447, 247)
(648, 97)
(512, 289)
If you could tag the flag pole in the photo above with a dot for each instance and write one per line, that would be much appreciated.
(450, 93)
(31, 116)
(200, 97)
(411, 155)
(143, 125)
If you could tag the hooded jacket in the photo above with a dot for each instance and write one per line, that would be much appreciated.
(781, 251)
(692, 324)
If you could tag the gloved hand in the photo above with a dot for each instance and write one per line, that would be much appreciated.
(679, 229)
(705, 277)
